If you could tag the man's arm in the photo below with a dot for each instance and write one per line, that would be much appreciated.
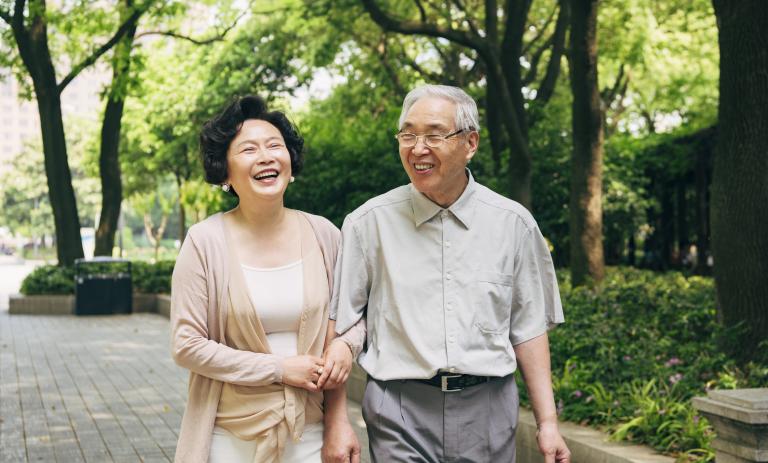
(339, 440)
(534, 363)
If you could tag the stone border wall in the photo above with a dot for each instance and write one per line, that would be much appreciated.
(64, 304)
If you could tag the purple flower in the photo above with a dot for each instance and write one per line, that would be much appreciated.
(627, 358)
(696, 419)
(675, 378)
(672, 362)
(577, 393)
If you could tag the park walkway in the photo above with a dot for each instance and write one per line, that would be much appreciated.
(92, 389)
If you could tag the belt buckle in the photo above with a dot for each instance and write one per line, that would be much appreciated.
(444, 383)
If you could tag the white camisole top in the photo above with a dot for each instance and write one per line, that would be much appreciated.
(278, 296)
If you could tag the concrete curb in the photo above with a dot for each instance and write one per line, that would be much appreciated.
(64, 304)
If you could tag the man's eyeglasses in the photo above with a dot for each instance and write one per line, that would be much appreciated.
(433, 140)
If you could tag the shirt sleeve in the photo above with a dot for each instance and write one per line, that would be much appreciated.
(352, 282)
(190, 344)
(536, 305)
(355, 337)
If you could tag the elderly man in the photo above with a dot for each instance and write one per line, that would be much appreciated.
(458, 290)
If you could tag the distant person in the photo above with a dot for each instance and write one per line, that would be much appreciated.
(458, 290)
(249, 314)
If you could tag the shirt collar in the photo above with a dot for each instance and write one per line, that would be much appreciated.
(424, 209)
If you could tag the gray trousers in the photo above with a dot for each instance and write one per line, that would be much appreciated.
(409, 421)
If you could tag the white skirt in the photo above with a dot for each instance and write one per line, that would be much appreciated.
(226, 448)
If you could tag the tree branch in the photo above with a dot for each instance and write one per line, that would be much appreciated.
(6, 16)
(463, 9)
(542, 32)
(18, 11)
(514, 27)
(17, 21)
(216, 38)
(381, 52)
(534, 70)
(121, 31)
(491, 21)
(422, 12)
(412, 28)
(547, 87)
(609, 95)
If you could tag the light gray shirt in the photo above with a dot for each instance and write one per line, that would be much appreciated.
(444, 289)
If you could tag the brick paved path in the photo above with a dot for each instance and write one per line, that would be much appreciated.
(94, 389)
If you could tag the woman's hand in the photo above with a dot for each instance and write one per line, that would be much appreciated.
(338, 364)
(303, 371)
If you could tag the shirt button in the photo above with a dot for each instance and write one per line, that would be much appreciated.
(450, 339)
(447, 276)
(448, 306)
(447, 244)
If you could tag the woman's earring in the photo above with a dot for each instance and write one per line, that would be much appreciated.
(225, 187)
(292, 179)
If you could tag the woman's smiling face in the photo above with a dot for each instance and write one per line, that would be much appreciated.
(258, 162)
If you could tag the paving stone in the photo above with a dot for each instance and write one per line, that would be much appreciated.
(95, 389)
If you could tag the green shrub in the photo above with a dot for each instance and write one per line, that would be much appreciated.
(633, 352)
(152, 278)
(49, 279)
(146, 277)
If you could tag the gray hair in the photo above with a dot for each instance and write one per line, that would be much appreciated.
(466, 109)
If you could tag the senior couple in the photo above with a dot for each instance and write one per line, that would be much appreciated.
(440, 288)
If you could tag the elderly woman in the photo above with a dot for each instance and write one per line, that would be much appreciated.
(249, 313)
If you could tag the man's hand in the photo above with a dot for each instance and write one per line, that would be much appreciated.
(552, 445)
(338, 364)
(340, 443)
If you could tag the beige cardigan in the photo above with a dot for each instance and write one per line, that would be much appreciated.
(199, 304)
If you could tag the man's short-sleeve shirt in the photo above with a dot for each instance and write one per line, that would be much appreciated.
(444, 289)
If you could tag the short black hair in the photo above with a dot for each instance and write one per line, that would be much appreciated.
(218, 133)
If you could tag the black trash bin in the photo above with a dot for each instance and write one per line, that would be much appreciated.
(103, 286)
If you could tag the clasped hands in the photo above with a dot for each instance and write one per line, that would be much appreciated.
(314, 373)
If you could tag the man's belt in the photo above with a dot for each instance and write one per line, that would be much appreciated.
(448, 382)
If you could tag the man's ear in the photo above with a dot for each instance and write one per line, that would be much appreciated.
(473, 141)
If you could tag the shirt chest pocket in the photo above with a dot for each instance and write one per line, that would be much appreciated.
(492, 295)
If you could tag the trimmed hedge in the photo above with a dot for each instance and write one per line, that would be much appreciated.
(152, 278)
(52, 279)
(49, 279)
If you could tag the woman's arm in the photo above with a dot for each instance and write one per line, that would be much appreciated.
(191, 346)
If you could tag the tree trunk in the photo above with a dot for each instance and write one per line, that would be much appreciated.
(495, 129)
(182, 211)
(519, 167)
(667, 231)
(586, 211)
(109, 162)
(69, 245)
(34, 52)
(111, 183)
(739, 193)
(681, 215)
(702, 212)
